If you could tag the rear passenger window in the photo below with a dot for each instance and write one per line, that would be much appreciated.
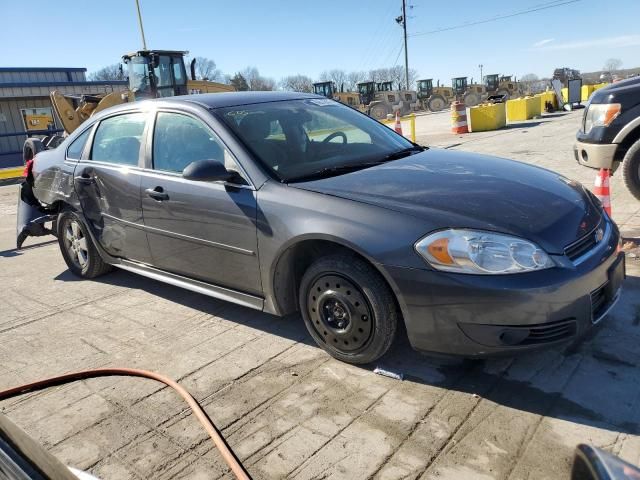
(75, 149)
(117, 139)
(179, 140)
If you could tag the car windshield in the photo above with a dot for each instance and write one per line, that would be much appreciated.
(298, 139)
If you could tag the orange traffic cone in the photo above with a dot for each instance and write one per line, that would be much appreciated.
(601, 189)
(398, 125)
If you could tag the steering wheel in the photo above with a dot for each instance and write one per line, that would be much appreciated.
(334, 135)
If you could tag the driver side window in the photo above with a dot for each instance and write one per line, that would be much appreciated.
(180, 139)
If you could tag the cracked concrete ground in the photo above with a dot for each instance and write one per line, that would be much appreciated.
(287, 409)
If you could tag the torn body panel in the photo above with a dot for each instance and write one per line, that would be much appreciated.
(32, 216)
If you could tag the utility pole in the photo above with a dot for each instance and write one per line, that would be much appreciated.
(480, 66)
(144, 42)
(406, 53)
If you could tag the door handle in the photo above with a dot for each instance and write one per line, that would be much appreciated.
(85, 178)
(157, 193)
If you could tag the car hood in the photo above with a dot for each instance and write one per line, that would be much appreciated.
(457, 189)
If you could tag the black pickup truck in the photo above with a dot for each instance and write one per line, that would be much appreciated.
(609, 136)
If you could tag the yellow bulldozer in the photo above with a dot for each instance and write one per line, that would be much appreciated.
(501, 85)
(434, 98)
(329, 90)
(152, 74)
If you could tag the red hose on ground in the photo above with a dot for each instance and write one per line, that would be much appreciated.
(226, 452)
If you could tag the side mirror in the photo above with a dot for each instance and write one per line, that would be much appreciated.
(207, 171)
(591, 463)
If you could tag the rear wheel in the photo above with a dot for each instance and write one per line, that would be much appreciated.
(379, 111)
(78, 250)
(32, 146)
(436, 103)
(348, 308)
(471, 99)
(631, 169)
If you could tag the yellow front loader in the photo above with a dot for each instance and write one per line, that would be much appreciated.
(152, 74)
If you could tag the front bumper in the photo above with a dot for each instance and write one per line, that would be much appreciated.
(595, 155)
(483, 315)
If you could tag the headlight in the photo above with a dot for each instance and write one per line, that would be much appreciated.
(485, 253)
(600, 115)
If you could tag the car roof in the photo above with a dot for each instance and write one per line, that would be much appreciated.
(233, 99)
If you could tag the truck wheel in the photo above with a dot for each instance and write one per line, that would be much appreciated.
(471, 99)
(436, 103)
(32, 146)
(348, 308)
(379, 111)
(78, 250)
(631, 169)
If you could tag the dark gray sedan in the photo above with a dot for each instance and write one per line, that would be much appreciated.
(289, 202)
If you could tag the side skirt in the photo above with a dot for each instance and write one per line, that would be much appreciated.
(220, 293)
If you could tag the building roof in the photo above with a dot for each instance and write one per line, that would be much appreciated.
(42, 69)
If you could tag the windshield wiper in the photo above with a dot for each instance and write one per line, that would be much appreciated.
(405, 152)
(329, 171)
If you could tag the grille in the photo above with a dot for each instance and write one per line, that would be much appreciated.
(599, 302)
(550, 332)
(582, 246)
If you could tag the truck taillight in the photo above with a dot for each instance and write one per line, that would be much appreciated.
(28, 168)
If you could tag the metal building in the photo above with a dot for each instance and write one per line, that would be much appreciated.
(25, 108)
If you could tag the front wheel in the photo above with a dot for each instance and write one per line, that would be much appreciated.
(77, 248)
(631, 169)
(348, 308)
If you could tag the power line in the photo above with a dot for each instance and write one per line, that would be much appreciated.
(493, 19)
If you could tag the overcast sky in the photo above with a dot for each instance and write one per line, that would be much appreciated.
(283, 37)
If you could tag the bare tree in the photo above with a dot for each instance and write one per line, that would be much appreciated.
(255, 81)
(297, 83)
(353, 78)
(206, 69)
(612, 65)
(529, 77)
(339, 77)
(110, 72)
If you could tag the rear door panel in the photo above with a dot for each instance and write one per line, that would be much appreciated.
(108, 187)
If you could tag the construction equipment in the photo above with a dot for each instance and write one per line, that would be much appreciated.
(152, 74)
(464, 93)
(502, 85)
(565, 74)
(329, 90)
(380, 100)
(434, 99)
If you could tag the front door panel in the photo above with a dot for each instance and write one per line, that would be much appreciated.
(201, 230)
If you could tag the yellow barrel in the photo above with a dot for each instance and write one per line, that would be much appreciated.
(586, 92)
(523, 109)
(565, 94)
(487, 116)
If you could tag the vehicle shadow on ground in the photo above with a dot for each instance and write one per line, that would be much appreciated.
(499, 380)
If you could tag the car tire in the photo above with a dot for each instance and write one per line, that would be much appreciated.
(631, 169)
(31, 147)
(77, 248)
(348, 308)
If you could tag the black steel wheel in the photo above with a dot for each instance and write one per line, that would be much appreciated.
(348, 308)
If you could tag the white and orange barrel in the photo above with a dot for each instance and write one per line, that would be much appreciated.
(398, 125)
(602, 191)
(459, 118)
